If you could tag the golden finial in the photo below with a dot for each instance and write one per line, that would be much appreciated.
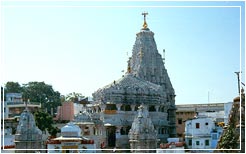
(145, 25)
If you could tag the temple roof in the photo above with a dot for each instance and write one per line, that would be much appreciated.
(70, 127)
(128, 84)
(27, 129)
(146, 76)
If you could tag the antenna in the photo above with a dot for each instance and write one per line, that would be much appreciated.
(163, 56)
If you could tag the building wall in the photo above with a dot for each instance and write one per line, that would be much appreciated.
(198, 133)
(218, 112)
(66, 111)
(181, 117)
(227, 109)
(199, 126)
(77, 108)
(14, 105)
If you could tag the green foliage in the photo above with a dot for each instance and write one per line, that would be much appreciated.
(229, 139)
(12, 87)
(44, 122)
(36, 92)
(74, 97)
(53, 131)
(43, 93)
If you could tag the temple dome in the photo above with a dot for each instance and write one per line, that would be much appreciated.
(127, 85)
(70, 127)
(83, 116)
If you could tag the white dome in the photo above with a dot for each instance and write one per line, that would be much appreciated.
(71, 128)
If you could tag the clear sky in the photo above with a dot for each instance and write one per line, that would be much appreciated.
(82, 46)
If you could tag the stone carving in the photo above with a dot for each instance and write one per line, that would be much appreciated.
(146, 82)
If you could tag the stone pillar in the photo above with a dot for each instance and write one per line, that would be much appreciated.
(132, 107)
(157, 108)
(118, 135)
(118, 106)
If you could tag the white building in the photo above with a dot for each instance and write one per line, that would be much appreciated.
(7, 141)
(201, 133)
(70, 141)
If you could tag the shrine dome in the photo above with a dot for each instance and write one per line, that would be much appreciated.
(71, 130)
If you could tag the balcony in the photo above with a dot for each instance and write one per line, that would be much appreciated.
(23, 104)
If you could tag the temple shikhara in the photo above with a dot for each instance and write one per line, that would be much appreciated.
(146, 90)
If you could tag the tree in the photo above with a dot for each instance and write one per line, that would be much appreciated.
(12, 87)
(44, 122)
(42, 93)
(74, 97)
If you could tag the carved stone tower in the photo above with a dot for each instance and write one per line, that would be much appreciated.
(146, 63)
(146, 82)
(28, 135)
(142, 134)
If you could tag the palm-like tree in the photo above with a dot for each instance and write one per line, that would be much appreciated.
(74, 97)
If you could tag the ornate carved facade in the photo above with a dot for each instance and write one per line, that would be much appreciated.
(142, 134)
(146, 82)
(28, 136)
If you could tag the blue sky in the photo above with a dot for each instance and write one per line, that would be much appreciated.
(82, 46)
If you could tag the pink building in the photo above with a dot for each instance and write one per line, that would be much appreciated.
(65, 112)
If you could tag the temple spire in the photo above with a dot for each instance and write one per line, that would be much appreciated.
(145, 25)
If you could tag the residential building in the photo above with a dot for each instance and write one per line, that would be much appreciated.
(218, 112)
(201, 132)
(14, 105)
(182, 116)
(7, 141)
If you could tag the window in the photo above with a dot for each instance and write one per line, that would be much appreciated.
(214, 136)
(162, 130)
(110, 107)
(197, 142)
(207, 142)
(180, 121)
(125, 130)
(125, 108)
(152, 109)
(190, 142)
(197, 125)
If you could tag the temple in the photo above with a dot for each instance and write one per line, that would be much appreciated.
(147, 83)
(28, 136)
